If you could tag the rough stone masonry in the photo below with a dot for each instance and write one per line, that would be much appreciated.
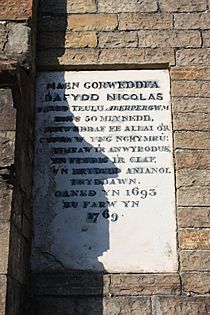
(94, 35)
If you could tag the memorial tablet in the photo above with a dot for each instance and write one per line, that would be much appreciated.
(104, 193)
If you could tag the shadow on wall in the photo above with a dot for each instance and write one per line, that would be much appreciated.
(78, 234)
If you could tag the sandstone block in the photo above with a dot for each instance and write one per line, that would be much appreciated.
(3, 292)
(68, 6)
(136, 56)
(195, 260)
(5, 201)
(18, 38)
(126, 305)
(190, 177)
(7, 144)
(68, 40)
(190, 73)
(118, 6)
(3, 35)
(194, 239)
(144, 284)
(190, 105)
(166, 38)
(190, 88)
(7, 111)
(193, 217)
(198, 283)
(11, 11)
(181, 305)
(193, 159)
(119, 39)
(193, 57)
(192, 20)
(192, 139)
(92, 22)
(143, 21)
(193, 196)
(206, 38)
(4, 245)
(194, 121)
(183, 5)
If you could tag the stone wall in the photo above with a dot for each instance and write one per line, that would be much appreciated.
(16, 156)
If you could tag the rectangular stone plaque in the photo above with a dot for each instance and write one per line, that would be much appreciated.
(104, 193)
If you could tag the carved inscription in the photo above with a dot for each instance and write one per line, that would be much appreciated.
(104, 180)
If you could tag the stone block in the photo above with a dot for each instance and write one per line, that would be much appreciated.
(52, 24)
(11, 11)
(167, 38)
(193, 122)
(127, 305)
(118, 6)
(7, 144)
(190, 73)
(198, 283)
(18, 38)
(193, 196)
(67, 40)
(3, 292)
(5, 201)
(67, 284)
(193, 217)
(7, 111)
(191, 177)
(206, 38)
(3, 35)
(194, 239)
(190, 88)
(56, 57)
(190, 105)
(193, 159)
(143, 21)
(193, 57)
(137, 56)
(183, 5)
(92, 22)
(192, 20)
(192, 139)
(144, 284)
(4, 245)
(181, 305)
(195, 260)
(118, 39)
(68, 6)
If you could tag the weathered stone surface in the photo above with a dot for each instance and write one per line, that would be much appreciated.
(198, 159)
(193, 57)
(71, 57)
(192, 121)
(5, 201)
(119, 39)
(192, 139)
(195, 260)
(4, 245)
(11, 11)
(206, 38)
(190, 88)
(194, 239)
(3, 291)
(140, 21)
(68, 6)
(166, 38)
(181, 306)
(183, 5)
(190, 73)
(198, 283)
(69, 40)
(189, 177)
(144, 284)
(193, 196)
(127, 305)
(192, 20)
(7, 111)
(18, 38)
(3, 35)
(136, 56)
(71, 284)
(114, 6)
(190, 105)
(92, 22)
(193, 217)
(7, 144)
